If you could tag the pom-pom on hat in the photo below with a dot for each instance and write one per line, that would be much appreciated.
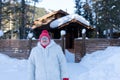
(44, 33)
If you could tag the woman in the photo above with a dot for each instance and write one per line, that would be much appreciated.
(47, 61)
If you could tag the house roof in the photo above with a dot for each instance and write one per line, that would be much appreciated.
(77, 22)
(72, 18)
(51, 21)
(44, 19)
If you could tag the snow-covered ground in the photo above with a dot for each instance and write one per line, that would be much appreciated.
(100, 65)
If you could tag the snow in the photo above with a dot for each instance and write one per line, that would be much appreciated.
(100, 65)
(12, 69)
(1, 33)
(30, 35)
(83, 31)
(62, 32)
(65, 19)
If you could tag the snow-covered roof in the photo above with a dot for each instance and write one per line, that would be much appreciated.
(44, 20)
(65, 19)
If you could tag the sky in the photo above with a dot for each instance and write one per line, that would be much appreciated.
(66, 5)
(99, 65)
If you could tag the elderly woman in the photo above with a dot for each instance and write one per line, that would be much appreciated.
(47, 61)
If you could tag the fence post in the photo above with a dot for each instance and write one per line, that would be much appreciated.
(30, 36)
(83, 42)
(1, 34)
(63, 41)
(30, 45)
(78, 47)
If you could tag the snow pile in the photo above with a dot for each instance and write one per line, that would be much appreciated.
(70, 57)
(65, 19)
(100, 65)
(12, 69)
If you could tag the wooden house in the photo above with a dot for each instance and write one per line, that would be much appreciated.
(59, 20)
(44, 22)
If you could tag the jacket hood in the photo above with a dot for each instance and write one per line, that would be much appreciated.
(52, 42)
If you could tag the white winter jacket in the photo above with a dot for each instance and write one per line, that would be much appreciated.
(47, 63)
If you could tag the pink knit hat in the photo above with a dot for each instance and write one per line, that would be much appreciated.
(42, 40)
(44, 33)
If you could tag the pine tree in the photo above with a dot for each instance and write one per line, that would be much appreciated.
(12, 19)
(0, 14)
(84, 8)
(107, 15)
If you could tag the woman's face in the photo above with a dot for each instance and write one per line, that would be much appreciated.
(44, 41)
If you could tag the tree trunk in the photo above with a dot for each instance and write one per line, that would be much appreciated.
(0, 14)
(22, 27)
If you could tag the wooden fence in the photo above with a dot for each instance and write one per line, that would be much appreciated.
(18, 48)
(21, 48)
(92, 45)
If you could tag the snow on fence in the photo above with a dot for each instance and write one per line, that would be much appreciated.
(21, 48)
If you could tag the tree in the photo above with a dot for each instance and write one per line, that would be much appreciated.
(14, 16)
(84, 8)
(107, 15)
(23, 19)
(22, 28)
